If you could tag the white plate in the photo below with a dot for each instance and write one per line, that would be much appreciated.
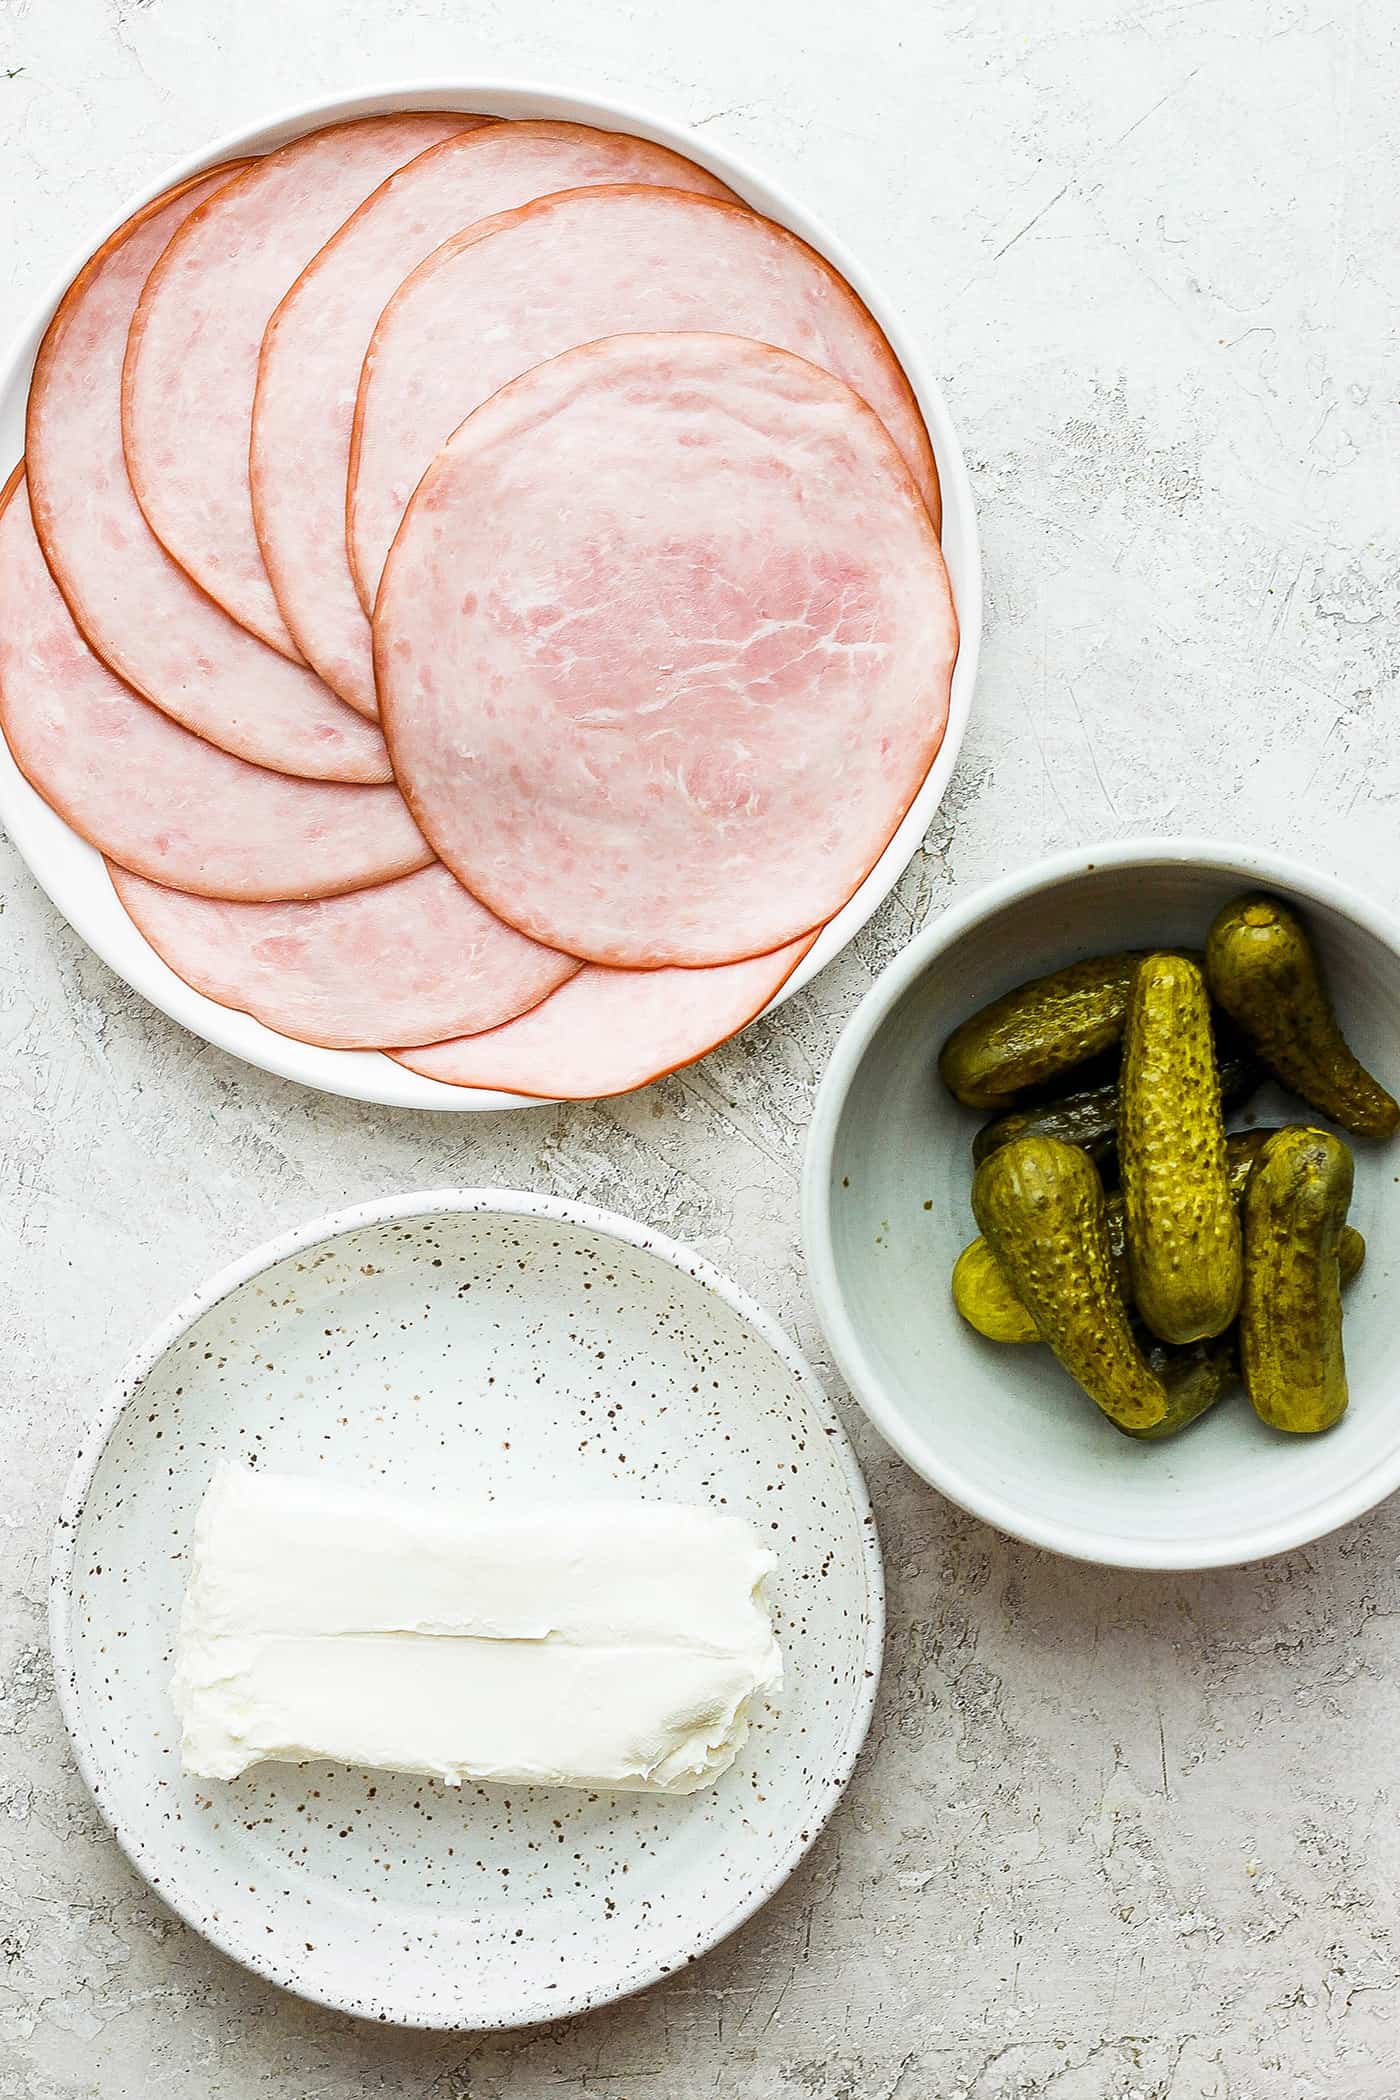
(73, 874)
(467, 1346)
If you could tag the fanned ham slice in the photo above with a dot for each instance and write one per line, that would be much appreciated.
(609, 1031)
(192, 361)
(512, 292)
(663, 649)
(136, 607)
(316, 342)
(150, 795)
(409, 961)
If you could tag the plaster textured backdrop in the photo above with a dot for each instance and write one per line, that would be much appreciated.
(1113, 1836)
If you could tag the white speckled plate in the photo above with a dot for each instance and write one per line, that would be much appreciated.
(466, 1346)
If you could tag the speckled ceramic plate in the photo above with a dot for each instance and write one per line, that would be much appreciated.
(466, 1346)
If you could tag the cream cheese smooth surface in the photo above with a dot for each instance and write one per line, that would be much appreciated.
(608, 1645)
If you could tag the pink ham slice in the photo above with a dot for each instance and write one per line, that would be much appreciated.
(663, 649)
(510, 293)
(609, 1031)
(136, 607)
(148, 794)
(316, 342)
(406, 962)
(192, 360)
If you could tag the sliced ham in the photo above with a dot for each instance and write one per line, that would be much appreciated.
(609, 1031)
(192, 360)
(663, 649)
(136, 607)
(150, 795)
(510, 293)
(316, 342)
(406, 962)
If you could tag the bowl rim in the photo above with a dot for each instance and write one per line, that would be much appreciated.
(501, 1202)
(1252, 864)
(76, 881)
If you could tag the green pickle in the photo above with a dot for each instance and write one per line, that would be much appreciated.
(1218, 1259)
(1040, 1205)
(986, 1300)
(1242, 1149)
(1089, 1115)
(1031, 1035)
(1195, 1378)
(984, 1295)
(1264, 973)
(1184, 1248)
(1291, 1317)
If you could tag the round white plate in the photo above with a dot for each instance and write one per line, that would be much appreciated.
(73, 874)
(465, 1346)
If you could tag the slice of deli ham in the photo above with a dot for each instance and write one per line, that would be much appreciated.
(508, 294)
(192, 361)
(406, 962)
(316, 342)
(664, 648)
(137, 608)
(608, 1031)
(150, 795)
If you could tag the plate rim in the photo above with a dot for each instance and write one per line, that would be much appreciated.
(502, 1202)
(75, 888)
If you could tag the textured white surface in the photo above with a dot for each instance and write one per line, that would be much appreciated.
(1114, 1838)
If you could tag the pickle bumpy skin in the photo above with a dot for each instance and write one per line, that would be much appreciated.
(1184, 1247)
(1040, 1206)
(984, 1297)
(1088, 1117)
(1029, 1036)
(1264, 972)
(1291, 1319)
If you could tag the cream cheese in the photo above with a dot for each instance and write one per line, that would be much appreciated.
(600, 1645)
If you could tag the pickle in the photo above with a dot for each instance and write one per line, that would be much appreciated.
(984, 1295)
(1264, 972)
(987, 1302)
(1029, 1036)
(1195, 1378)
(1184, 1248)
(1242, 1149)
(1040, 1206)
(1088, 1117)
(1295, 1207)
(1351, 1255)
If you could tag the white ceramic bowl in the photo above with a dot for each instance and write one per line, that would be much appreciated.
(1001, 1430)
(73, 874)
(473, 1346)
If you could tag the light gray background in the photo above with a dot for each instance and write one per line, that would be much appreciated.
(1113, 1836)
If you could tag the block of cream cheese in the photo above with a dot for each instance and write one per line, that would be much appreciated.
(594, 1644)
